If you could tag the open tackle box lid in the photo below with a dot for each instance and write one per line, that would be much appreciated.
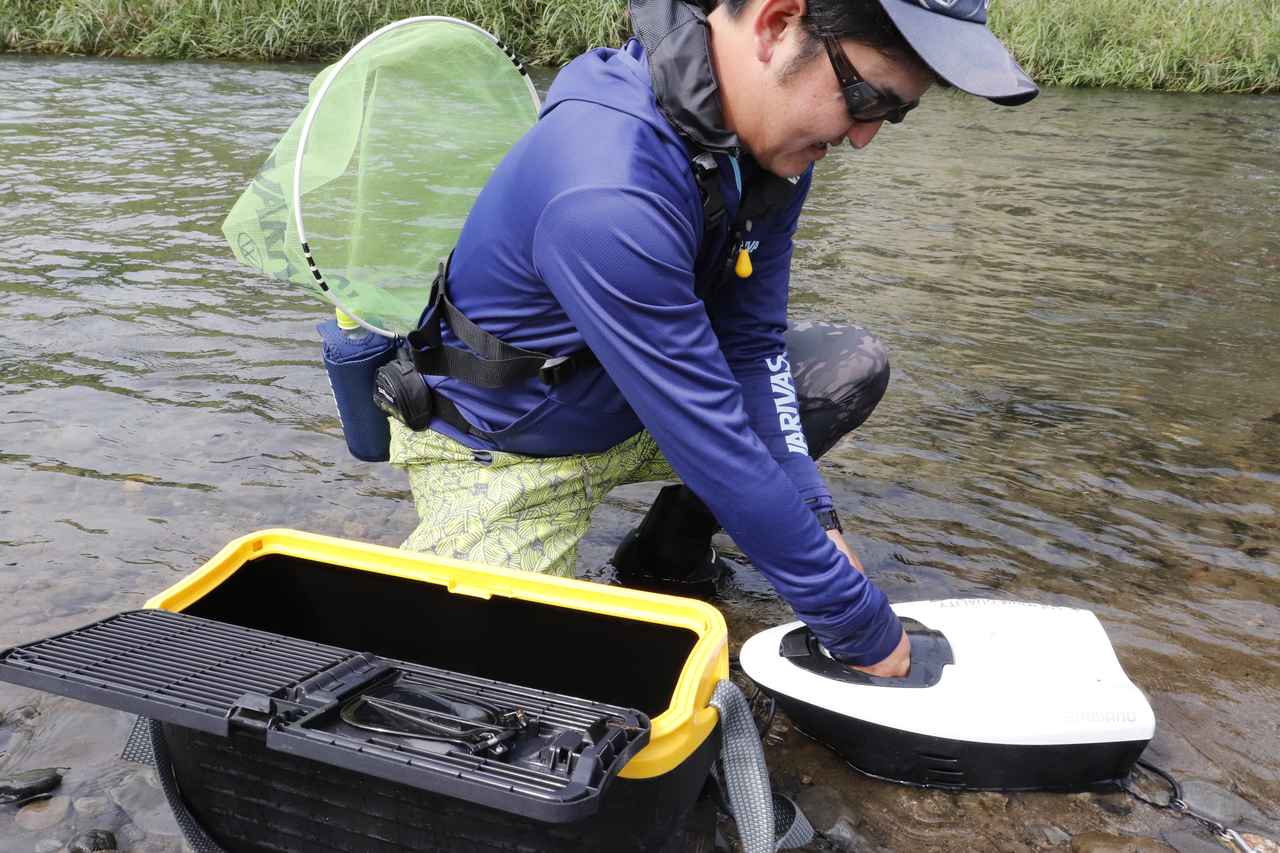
(530, 752)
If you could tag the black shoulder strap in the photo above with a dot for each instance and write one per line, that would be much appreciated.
(707, 173)
(766, 193)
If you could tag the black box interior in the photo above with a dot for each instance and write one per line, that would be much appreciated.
(602, 658)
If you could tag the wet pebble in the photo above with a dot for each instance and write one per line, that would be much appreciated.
(1049, 834)
(23, 713)
(42, 815)
(1102, 842)
(131, 834)
(93, 841)
(927, 808)
(90, 806)
(141, 798)
(844, 836)
(824, 808)
(989, 802)
(48, 845)
(1116, 802)
(1260, 843)
(16, 787)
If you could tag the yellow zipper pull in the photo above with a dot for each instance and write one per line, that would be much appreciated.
(743, 266)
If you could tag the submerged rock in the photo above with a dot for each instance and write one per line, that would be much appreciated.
(93, 841)
(17, 787)
(131, 834)
(824, 808)
(985, 802)
(1260, 844)
(1220, 803)
(1102, 842)
(44, 814)
(90, 806)
(1050, 834)
(140, 797)
(845, 837)
(1194, 841)
(1114, 802)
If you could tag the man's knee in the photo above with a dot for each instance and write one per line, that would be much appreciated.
(841, 374)
(829, 361)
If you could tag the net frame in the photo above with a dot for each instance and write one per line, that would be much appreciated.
(313, 109)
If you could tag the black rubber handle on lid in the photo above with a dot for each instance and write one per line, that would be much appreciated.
(930, 652)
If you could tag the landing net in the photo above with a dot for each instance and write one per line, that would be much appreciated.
(376, 176)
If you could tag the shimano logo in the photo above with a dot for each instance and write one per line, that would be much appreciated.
(984, 603)
(784, 400)
(1102, 716)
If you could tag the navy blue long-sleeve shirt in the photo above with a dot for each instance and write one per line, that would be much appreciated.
(590, 233)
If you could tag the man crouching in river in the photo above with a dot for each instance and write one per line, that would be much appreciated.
(640, 236)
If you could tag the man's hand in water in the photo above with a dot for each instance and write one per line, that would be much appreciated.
(896, 665)
(837, 539)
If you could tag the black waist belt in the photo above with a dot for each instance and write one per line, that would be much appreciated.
(487, 363)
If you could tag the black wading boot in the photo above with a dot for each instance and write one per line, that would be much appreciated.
(671, 550)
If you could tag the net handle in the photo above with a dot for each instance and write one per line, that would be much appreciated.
(310, 118)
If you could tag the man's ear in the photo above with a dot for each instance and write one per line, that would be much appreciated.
(772, 22)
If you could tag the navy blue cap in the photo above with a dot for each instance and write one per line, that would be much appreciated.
(952, 38)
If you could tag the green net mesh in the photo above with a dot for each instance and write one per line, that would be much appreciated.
(401, 143)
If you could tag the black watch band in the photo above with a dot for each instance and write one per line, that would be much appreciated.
(829, 519)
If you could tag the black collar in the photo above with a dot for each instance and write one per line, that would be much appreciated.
(675, 35)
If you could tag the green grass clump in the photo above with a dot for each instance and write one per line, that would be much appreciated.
(1180, 45)
(540, 31)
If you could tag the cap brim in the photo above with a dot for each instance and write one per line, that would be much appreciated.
(963, 53)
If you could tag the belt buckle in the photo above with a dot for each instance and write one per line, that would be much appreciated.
(557, 370)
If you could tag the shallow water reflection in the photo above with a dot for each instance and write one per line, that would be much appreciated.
(1080, 297)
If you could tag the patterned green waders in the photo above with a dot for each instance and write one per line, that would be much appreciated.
(529, 513)
(521, 512)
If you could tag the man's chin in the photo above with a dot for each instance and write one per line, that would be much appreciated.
(789, 165)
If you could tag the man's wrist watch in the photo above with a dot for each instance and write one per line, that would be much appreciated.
(828, 519)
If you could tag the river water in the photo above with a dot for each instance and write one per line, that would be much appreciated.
(1081, 298)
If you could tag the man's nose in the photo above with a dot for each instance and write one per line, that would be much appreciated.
(862, 132)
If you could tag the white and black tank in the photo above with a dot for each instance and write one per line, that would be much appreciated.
(1001, 695)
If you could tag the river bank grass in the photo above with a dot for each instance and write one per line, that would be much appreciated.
(545, 32)
(1178, 45)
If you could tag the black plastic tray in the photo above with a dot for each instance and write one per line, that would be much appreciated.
(219, 678)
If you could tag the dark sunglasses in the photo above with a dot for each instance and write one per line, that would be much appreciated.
(864, 101)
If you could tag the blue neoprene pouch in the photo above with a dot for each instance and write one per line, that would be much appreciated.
(352, 364)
